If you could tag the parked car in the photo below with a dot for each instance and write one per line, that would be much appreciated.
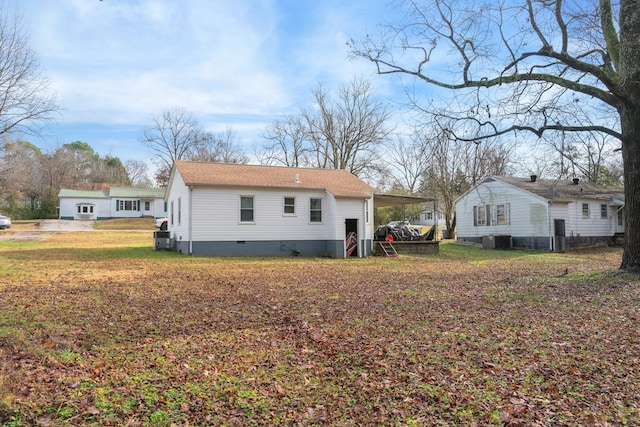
(5, 222)
(162, 223)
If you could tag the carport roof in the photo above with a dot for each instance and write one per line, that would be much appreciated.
(385, 200)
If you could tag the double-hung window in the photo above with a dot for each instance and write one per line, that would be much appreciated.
(246, 209)
(481, 215)
(289, 206)
(128, 205)
(502, 214)
(585, 210)
(603, 211)
(315, 210)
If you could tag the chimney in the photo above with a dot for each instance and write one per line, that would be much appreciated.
(576, 181)
(533, 178)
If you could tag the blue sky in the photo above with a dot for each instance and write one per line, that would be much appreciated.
(238, 64)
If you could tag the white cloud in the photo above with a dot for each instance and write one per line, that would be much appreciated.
(231, 63)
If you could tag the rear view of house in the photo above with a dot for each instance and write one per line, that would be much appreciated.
(248, 210)
(542, 214)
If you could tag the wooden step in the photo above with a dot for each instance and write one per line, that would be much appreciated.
(388, 249)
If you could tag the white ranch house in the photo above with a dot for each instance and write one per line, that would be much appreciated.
(116, 202)
(541, 214)
(218, 209)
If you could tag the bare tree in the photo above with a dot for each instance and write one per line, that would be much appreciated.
(455, 166)
(582, 155)
(345, 132)
(174, 135)
(138, 173)
(25, 101)
(523, 66)
(285, 142)
(222, 148)
(408, 160)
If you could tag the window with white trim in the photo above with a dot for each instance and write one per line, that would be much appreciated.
(603, 211)
(502, 214)
(481, 215)
(128, 205)
(585, 210)
(85, 209)
(246, 208)
(366, 211)
(289, 206)
(315, 210)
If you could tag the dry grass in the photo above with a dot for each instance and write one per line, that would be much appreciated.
(99, 329)
(119, 224)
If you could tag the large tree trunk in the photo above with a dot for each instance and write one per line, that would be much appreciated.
(630, 122)
(629, 77)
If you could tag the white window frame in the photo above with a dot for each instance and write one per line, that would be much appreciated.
(312, 210)
(506, 219)
(285, 206)
(241, 209)
(585, 211)
(366, 211)
(481, 219)
(133, 205)
(604, 211)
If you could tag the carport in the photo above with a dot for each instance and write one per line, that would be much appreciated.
(386, 200)
(392, 249)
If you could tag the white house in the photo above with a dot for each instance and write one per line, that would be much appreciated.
(115, 202)
(540, 214)
(248, 210)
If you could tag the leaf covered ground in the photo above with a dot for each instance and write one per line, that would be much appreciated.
(99, 329)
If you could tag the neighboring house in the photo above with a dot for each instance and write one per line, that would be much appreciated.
(248, 210)
(540, 214)
(430, 217)
(112, 203)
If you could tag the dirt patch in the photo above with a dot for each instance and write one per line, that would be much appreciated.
(65, 225)
(24, 236)
(43, 229)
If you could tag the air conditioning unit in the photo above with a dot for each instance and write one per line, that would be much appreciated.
(496, 242)
(162, 240)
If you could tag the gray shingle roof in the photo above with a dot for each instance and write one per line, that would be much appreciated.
(560, 190)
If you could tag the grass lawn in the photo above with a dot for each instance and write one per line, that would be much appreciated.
(97, 328)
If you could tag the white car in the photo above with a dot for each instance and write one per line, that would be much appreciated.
(5, 222)
(162, 223)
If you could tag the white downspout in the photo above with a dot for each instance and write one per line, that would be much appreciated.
(189, 230)
(551, 248)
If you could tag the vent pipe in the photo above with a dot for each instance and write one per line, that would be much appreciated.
(533, 178)
(297, 178)
(576, 181)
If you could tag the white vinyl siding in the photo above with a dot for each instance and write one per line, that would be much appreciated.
(526, 214)
(216, 216)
